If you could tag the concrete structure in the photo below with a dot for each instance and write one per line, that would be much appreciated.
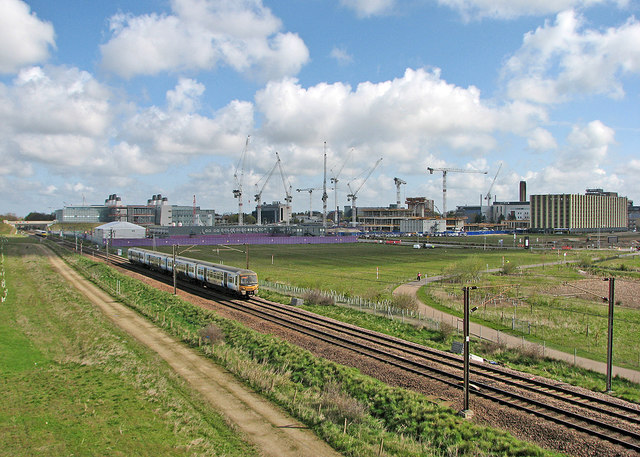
(381, 219)
(79, 214)
(633, 213)
(417, 225)
(118, 230)
(510, 211)
(274, 213)
(157, 211)
(596, 210)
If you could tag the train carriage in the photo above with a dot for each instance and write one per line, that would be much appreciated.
(224, 277)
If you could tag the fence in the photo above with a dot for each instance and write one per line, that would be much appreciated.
(382, 308)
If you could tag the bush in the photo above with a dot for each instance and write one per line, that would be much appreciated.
(404, 301)
(212, 334)
(508, 268)
(446, 332)
(462, 272)
(315, 297)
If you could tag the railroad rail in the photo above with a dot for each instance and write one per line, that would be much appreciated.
(601, 416)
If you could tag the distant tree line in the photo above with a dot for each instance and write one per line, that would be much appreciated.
(32, 216)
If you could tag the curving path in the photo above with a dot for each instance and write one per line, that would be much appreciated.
(411, 288)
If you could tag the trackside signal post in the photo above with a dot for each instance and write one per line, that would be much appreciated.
(466, 412)
(610, 331)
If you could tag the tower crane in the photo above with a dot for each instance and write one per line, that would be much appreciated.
(237, 192)
(354, 195)
(287, 190)
(398, 182)
(444, 182)
(334, 181)
(258, 194)
(310, 190)
(489, 196)
(324, 188)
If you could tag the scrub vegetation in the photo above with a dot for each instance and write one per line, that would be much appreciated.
(356, 414)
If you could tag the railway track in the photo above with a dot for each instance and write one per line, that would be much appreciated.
(601, 416)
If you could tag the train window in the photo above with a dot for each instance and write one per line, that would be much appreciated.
(249, 280)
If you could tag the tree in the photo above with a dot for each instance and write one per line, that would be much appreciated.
(35, 216)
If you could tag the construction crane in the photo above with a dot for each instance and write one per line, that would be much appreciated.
(310, 190)
(444, 182)
(489, 196)
(398, 182)
(354, 195)
(324, 188)
(258, 195)
(334, 181)
(237, 192)
(287, 190)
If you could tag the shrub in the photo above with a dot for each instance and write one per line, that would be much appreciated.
(212, 334)
(338, 405)
(315, 297)
(405, 301)
(446, 332)
(508, 268)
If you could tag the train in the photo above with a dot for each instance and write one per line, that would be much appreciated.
(237, 281)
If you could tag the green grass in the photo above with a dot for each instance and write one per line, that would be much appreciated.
(320, 393)
(74, 385)
(364, 269)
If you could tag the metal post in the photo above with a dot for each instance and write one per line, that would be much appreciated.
(174, 270)
(246, 250)
(466, 412)
(465, 332)
(610, 332)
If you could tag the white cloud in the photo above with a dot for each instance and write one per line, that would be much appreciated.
(58, 100)
(24, 39)
(560, 61)
(201, 34)
(185, 95)
(541, 140)
(579, 164)
(416, 112)
(341, 56)
(367, 8)
(509, 9)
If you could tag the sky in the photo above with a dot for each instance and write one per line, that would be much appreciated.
(145, 97)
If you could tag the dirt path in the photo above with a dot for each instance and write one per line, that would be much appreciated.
(271, 430)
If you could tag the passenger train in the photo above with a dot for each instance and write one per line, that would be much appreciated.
(223, 277)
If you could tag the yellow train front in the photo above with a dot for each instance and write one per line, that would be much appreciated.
(223, 277)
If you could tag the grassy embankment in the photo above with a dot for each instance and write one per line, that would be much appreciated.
(72, 384)
(356, 414)
(558, 322)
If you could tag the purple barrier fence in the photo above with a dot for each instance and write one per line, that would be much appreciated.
(212, 240)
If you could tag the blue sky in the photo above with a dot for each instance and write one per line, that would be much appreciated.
(158, 96)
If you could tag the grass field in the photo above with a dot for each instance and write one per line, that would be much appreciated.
(526, 302)
(72, 384)
(367, 270)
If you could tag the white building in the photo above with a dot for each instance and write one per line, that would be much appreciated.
(423, 225)
(118, 230)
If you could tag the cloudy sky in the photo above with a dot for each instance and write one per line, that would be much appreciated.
(140, 97)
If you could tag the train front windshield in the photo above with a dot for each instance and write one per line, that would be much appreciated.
(249, 280)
